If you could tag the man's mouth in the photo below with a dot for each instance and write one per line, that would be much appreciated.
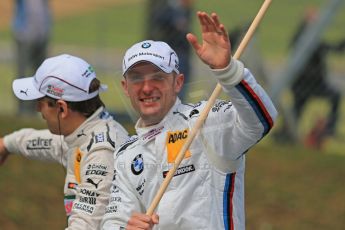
(149, 100)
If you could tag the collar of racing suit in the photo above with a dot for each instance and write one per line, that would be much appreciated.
(146, 133)
(73, 139)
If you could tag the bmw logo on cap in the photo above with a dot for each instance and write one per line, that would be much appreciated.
(145, 45)
(137, 165)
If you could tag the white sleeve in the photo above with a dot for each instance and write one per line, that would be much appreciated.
(37, 144)
(232, 127)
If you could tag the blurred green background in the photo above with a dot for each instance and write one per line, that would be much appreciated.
(287, 187)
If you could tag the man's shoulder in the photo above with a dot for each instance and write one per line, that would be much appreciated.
(101, 136)
(115, 129)
(106, 133)
(128, 145)
(189, 110)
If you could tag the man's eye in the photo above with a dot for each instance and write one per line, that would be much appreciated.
(135, 78)
(158, 78)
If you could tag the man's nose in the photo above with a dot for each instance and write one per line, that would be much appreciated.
(147, 85)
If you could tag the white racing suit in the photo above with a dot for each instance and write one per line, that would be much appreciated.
(88, 156)
(207, 190)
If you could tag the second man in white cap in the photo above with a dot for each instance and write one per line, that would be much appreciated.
(81, 134)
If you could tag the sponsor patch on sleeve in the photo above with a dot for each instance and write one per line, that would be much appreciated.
(39, 144)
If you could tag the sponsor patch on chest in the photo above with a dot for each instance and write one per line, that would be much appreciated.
(68, 201)
(77, 159)
(181, 170)
(175, 141)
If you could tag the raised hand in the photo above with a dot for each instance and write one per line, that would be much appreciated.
(215, 49)
(3, 152)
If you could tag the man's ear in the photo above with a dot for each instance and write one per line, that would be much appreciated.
(62, 108)
(124, 86)
(179, 80)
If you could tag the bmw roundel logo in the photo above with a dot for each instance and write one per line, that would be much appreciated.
(145, 45)
(137, 165)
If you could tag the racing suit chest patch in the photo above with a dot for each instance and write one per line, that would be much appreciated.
(78, 155)
(68, 200)
(174, 142)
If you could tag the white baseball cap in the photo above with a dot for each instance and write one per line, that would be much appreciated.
(156, 52)
(63, 77)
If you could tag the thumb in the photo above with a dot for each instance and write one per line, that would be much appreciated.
(155, 218)
(3, 158)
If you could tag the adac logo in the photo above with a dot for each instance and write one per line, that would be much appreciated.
(179, 135)
(137, 165)
(146, 45)
(174, 142)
